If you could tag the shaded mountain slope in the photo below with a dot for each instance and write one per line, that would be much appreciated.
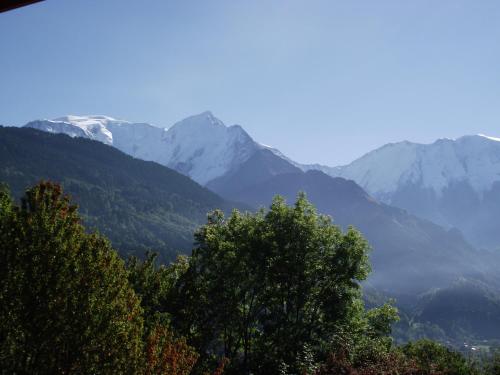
(453, 182)
(409, 254)
(465, 311)
(137, 204)
(261, 166)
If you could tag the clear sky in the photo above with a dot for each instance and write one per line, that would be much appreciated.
(323, 81)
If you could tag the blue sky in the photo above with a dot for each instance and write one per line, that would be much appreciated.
(323, 81)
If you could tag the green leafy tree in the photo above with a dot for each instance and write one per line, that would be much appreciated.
(66, 305)
(154, 284)
(273, 290)
(432, 357)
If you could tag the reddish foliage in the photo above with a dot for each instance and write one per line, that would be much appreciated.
(168, 355)
(220, 368)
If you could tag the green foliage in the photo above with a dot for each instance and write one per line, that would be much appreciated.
(492, 364)
(277, 292)
(432, 357)
(5, 201)
(371, 340)
(138, 205)
(268, 288)
(154, 284)
(380, 320)
(65, 302)
(422, 357)
(392, 363)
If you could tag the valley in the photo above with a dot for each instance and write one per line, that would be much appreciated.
(414, 255)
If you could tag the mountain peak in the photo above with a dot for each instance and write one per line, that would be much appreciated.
(200, 146)
(471, 159)
(200, 121)
(206, 114)
(204, 148)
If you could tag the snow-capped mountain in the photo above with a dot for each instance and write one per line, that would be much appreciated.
(204, 148)
(455, 183)
(449, 182)
(474, 160)
(92, 127)
(200, 146)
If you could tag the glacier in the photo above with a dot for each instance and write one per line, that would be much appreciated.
(471, 159)
(200, 146)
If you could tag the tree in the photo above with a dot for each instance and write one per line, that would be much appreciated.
(154, 283)
(432, 357)
(65, 302)
(267, 289)
(168, 355)
(165, 352)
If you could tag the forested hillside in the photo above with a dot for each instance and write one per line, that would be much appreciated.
(139, 205)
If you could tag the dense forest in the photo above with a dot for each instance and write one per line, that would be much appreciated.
(275, 292)
(138, 205)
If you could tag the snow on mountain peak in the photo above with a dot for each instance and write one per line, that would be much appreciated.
(433, 166)
(204, 148)
(200, 146)
(93, 127)
(490, 138)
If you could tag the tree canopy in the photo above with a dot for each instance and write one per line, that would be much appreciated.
(66, 304)
(267, 289)
(275, 292)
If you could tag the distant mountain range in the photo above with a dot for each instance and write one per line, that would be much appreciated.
(415, 252)
(407, 199)
(453, 183)
(409, 254)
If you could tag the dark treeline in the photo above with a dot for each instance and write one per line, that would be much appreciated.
(275, 292)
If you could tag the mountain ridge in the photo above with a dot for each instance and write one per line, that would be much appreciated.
(409, 254)
(140, 205)
(454, 183)
(180, 146)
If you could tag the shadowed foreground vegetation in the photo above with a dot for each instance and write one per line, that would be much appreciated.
(276, 292)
